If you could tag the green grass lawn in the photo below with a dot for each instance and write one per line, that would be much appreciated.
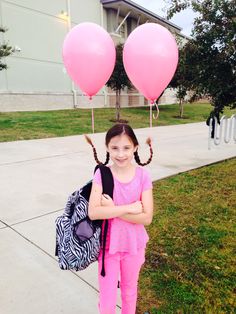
(43, 124)
(190, 260)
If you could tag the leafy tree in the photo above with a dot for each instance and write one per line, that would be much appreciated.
(5, 51)
(119, 79)
(211, 52)
(182, 78)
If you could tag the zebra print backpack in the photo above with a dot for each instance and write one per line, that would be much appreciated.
(78, 239)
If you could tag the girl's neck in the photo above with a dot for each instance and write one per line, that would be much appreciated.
(123, 175)
(121, 170)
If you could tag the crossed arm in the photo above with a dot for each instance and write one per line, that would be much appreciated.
(102, 207)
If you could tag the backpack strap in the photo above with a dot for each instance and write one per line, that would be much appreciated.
(107, 188)
(104, 239)
(107, 180)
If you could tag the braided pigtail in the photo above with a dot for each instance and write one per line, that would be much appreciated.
(136, 156)
(107, 159)
(88, 139)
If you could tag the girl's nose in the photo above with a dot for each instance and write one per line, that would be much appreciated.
(121, 153)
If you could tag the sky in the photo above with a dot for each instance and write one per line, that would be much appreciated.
(183, 19)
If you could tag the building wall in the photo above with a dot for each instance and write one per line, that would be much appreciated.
(35, 27)
(36, 77)
(38, 28)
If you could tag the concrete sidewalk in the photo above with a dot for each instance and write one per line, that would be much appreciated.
(36, 178)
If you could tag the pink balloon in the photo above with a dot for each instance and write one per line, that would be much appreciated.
(150, 59)
(89, 56)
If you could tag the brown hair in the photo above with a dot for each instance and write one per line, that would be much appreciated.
(119, 129)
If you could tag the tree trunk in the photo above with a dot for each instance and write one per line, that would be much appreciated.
(117, 105)
(181, 108)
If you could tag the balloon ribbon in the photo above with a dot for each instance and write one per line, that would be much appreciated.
(157, 114)
(92, 120)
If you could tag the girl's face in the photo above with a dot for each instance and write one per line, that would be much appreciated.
(121, 150)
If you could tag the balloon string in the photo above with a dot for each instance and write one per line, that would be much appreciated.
(157, 115)
(92, 113)
(92, 120)
(150, 116)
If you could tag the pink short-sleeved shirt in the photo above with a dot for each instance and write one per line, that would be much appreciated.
(125, 236)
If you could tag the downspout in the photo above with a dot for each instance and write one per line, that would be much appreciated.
(102, 24)
(102, 18)
(69, 28)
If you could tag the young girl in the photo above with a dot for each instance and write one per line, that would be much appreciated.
(128, 212)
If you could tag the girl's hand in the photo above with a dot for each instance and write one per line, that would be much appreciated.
(136, 208)
(107, 200)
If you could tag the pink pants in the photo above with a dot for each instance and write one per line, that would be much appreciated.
(128, 267)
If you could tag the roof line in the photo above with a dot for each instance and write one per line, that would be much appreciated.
(139, 7)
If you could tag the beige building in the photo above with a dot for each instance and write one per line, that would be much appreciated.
(36, 78)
